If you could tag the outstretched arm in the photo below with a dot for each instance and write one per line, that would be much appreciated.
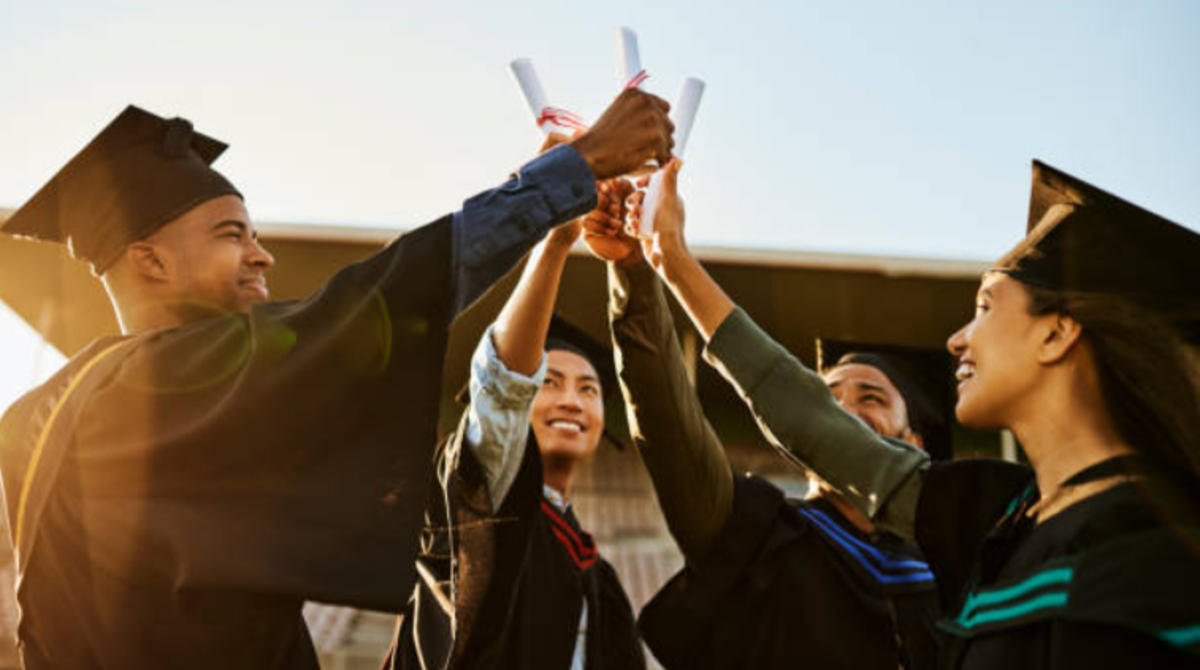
(794, 408)
(686, 460)
(509, 366)
(683, 455)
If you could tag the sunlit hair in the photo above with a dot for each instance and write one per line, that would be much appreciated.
(1149, 378)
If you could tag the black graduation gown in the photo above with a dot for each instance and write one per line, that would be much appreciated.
(506, 590)
(1102, 584)
(221, 473)
(792, 584)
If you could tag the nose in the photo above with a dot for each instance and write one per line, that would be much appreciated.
(569, 399)
(259, 256)
(857, 410)
(845, 402)
(957, 344)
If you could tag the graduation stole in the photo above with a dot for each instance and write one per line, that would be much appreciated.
(890, 572)
(53, 441)
(1144, 581)
(579, 545)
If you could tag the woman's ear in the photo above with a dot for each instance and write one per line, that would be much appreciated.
(1061, 335)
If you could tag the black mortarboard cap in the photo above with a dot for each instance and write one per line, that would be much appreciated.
(1081, 238)
(565, 336)
(924, 377)
(139, 173)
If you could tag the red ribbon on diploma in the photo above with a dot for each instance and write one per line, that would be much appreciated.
(637, 80)
(562, 118)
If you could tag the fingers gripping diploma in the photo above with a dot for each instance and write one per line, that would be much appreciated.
(668, 215)
(684, 116)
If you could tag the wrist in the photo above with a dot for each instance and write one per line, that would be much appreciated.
(590, 153)
(631, 260)
(559, 246)
(675, 257)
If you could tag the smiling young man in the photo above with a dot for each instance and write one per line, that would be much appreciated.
(770, 582)
(520, 583)
(177, 492)
(901, 393)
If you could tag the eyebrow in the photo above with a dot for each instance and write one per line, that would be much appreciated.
(240, 225)
(558, 373)
(862, 386)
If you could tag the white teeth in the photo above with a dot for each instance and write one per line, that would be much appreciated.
(567, 425)
(964, 371)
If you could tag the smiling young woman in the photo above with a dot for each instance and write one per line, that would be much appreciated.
(1080, 345)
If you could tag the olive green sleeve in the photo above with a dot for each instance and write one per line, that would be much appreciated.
(686, 461)
(798, 414)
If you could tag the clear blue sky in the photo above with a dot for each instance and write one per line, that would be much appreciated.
(874, 127)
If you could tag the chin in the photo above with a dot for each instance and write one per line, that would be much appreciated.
(243, 305)
(976, 415)
(567, 451)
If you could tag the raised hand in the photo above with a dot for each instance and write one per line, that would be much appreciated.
(634, 129)
(604, 227)
(669, 218)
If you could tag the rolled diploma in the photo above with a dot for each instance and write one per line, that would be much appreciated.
(535, 96)
(629, 60)
(629, 66)
(683, 115)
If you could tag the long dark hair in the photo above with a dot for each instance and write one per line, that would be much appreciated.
(1148, 376)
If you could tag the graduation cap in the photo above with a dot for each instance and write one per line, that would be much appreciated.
(1081, 238)
(924, 377)
(565, 336)
(139, 173)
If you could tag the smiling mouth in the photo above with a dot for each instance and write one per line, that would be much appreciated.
(964, 372)
(567, 426)
(259, 283)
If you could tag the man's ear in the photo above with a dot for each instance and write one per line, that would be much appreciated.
(1061, 334)
(149, 261)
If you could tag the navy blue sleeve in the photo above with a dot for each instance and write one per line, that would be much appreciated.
(497, 227)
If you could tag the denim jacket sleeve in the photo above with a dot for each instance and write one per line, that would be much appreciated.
(494, 229)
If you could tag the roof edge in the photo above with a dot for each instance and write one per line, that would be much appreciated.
(892, 266)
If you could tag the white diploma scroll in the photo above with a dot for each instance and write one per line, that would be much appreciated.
(631, 75)
(549, 119)
(629, 60)
(683, 115)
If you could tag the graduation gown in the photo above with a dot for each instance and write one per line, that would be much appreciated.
(197, 484)
(1102, 584)
(200, 483)
(793, 584)
(506, 590)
